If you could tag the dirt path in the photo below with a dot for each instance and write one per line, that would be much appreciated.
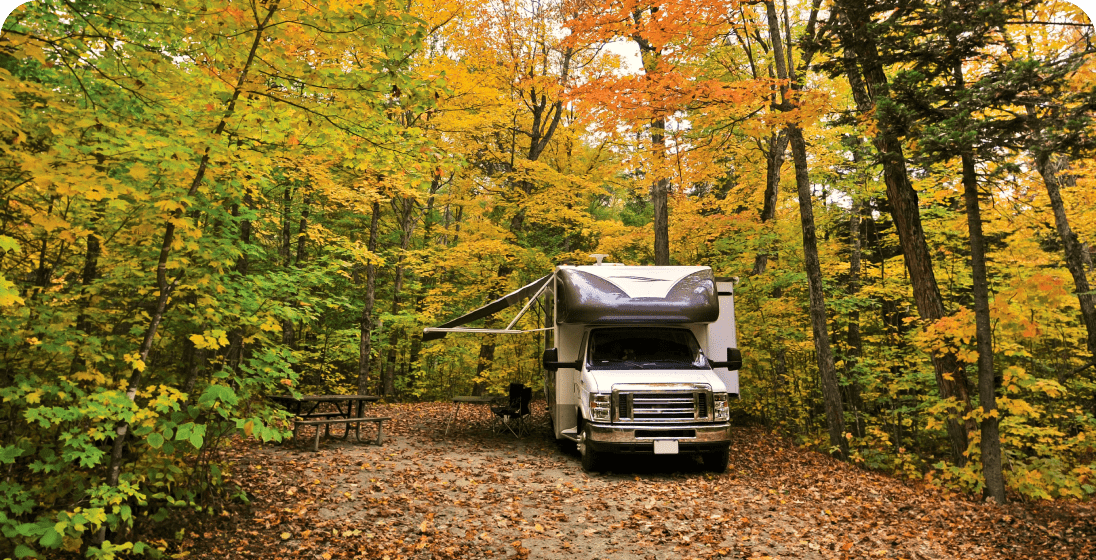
(476, 495)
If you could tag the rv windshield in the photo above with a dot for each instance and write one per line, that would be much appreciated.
(644, 348)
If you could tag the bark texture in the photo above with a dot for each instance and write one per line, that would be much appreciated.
(869, 86)
(831, 392)
(365, 341)
(1055, 173)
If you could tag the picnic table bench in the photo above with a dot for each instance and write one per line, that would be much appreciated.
(307, 410)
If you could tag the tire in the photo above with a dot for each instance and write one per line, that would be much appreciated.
(592, 461)
(716, 461)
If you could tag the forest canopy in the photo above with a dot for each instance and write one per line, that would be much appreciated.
(205, 203)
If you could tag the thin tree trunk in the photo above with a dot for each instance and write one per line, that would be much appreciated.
(831, 392)
(406, 223)
(285, 247)
(287, 227)
(365, 342)
(243, 262)
(660, 193)
(660, 186)
(164, 286)
(855, 346)
(1055, 172)
(302, 229)
(774, 160)
(987, 391)
(868, 82)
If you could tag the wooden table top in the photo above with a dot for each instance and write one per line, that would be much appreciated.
(326, 398)
(474, 399)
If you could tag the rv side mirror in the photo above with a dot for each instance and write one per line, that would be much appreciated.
(734, 359)
(551, 359)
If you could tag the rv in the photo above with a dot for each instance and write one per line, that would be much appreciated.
(640, 359)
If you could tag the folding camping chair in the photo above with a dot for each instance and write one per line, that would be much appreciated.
(512, 416)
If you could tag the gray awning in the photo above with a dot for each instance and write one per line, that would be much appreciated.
(512, 298)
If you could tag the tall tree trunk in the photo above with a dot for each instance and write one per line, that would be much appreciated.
(405, 211)
(774, 160)
(987, 390)
(1055, 173)
(831, 392)
(660, 193)
(855, 346)
(365, 341)
(163, 285)
(990, 444)
(868, 82)
(287, 225)
(302, 228)
(660, 186)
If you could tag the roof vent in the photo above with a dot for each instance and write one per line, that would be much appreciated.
(599, 256)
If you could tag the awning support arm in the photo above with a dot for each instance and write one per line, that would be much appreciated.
(527, 306)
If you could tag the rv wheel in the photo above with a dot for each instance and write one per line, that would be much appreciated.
(716, 461)
(591, 460)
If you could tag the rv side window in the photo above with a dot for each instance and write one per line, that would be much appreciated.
(644, 348)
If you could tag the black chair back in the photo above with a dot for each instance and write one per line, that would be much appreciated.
(526, 398)
(516, 391)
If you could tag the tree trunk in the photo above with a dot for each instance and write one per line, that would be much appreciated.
(660, 186)
(164, 286)
(868, 82)
(1055, 173)
(405, 212)
(855, 343)
(831, 392)
(987, 391)
(365, 341)
(287, 227)
(774, 160)
(660, 193)
(302, 229)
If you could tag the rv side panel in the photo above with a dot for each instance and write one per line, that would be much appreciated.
(723, 335)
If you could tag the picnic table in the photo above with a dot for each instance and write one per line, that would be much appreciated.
(349, 410)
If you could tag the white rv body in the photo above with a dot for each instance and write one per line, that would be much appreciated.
(648, 404)
(645, 358)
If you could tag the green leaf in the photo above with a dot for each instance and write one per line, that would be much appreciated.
(24, 551)
(52, 539)
(155, 440)
(8, 244)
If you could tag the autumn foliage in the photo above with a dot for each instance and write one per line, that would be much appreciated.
(206, 202)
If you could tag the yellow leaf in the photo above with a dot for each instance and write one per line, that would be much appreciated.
(139, 171)
(285, 536)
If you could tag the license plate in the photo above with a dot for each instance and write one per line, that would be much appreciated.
(665, 447)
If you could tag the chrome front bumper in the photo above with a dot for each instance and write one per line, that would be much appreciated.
(641, 437)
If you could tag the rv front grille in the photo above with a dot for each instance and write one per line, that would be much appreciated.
(670, 406)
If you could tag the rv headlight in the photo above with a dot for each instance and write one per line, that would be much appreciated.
(722, 410)
(599, 406)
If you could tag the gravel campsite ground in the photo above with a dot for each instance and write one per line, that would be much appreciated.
(474, 494)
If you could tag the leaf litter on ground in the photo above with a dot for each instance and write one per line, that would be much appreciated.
(478, 494)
